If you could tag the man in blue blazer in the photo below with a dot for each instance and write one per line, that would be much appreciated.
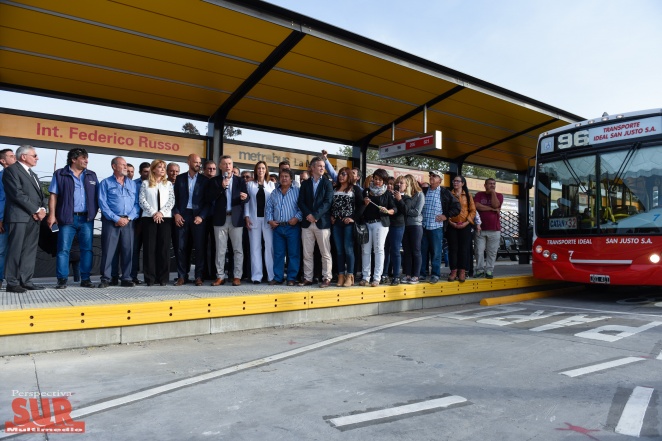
(189, 214)
(229, 194)
(315, 199)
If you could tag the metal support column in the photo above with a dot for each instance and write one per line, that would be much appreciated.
(524, 209)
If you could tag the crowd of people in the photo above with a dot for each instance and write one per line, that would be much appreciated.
(269, 228)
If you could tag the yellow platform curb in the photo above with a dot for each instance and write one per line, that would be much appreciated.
(528, 296)
(81, 317)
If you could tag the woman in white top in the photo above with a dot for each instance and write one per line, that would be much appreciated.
(157, 197)
(259, 191)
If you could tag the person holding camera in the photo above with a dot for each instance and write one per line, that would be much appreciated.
(396, 231)
(378, 206)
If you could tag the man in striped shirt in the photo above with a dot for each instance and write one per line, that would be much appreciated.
(284, 216)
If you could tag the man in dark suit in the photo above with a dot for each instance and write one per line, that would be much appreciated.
(315, 199)
(229, 194)
(24, 210)
(189, 213)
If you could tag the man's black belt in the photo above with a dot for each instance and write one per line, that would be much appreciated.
(80, 213)
(283, 224)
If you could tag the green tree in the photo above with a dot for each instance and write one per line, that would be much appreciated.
(422, 162)
(229, 132)
(190, 129)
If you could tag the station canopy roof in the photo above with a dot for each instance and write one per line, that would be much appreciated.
(261, 66)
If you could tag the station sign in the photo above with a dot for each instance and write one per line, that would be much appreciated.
(28, 129)
(411, 146)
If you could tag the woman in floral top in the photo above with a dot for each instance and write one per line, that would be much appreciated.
(458, 231)
(346, 197)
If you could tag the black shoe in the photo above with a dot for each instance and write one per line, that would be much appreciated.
(395, 281)
(127, 284)
(33, 287)
(163, 284)
(137, 282)
(256, 282)
(87, 283)
(61, 284)
(104, 284)
(16, 288)
(114, 281)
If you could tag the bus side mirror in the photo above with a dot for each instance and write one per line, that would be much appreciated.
(530, 177)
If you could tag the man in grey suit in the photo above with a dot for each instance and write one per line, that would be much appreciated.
(24, 211)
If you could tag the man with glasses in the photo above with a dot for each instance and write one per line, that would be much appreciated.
(24, 210)
(73, 205)
(7, 158)
(209, 273)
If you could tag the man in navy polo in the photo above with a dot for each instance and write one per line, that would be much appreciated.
(119, 208)
(73, 205)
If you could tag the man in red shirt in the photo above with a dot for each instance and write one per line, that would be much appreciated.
(488, 203)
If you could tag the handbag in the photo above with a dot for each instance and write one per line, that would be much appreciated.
(361, 235)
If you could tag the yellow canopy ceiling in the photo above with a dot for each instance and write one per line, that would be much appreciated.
(264, 67)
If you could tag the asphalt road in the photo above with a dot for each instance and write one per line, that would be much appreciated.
(588, 367)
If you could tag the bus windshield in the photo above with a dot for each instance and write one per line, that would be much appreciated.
(613, 192)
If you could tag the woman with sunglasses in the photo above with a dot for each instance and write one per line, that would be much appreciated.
(458, 232)
(346, 203)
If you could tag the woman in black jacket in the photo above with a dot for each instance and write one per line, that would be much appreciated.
(378, 205)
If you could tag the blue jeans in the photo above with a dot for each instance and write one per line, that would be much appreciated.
(431, 251)
(287, 242)
(83, 230)
(3, 253)
(343, 237)
(392, 250)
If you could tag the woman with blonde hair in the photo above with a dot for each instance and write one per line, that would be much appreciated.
(156, 198)
(259, 191)
(414, 200)
(458, 231)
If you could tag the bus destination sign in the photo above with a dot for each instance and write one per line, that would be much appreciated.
(599, 134)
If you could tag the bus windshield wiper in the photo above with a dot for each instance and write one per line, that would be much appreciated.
(573, 173)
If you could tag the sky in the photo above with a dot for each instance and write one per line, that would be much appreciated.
(585, 57)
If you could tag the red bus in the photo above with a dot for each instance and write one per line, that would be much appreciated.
(597, 215)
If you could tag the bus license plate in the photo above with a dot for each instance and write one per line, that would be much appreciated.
(599, 278)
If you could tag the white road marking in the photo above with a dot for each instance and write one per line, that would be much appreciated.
(623, 331)
(147, 393)
(632, 418)
(601, 366)
(396, 411)
(659, 357)
(590, 309)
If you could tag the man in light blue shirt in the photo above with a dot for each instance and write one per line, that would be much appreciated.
(282, 213)
(119, 208)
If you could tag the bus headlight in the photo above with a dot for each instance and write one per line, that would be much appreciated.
(654, 258)
(545, 253)
(554, 256)
(539, 249)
